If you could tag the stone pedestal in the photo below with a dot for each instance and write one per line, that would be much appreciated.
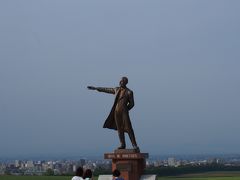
(130, 163)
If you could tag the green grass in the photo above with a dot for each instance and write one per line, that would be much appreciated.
(222, 175)
(35, 178)
(199, 178)
(203, 178)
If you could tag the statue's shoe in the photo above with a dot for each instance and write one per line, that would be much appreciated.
(136, 148)
(122, 147)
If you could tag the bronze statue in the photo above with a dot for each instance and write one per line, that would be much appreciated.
(118, 118)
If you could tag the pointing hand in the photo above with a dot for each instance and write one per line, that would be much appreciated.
(91, 88)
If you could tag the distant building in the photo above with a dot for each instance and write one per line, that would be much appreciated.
(2, 169)
(82, 162)
(69, 168)
(50, 164)
(74, 168)
(156, 163)
(17, 163)
(171, 161)
(30, 164)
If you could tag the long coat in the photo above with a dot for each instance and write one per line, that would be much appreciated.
(118, 118)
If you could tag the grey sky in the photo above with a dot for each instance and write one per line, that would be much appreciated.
(181, 57)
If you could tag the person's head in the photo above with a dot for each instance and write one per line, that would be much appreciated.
(87, 174)
(116, 173)
(123, 82)
(79, 171)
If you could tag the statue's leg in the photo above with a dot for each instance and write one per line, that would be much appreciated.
(128, 128)
(122, 139)
(133, 140)
(119, 124)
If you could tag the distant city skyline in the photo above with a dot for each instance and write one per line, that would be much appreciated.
(181, 58)
(68, 166)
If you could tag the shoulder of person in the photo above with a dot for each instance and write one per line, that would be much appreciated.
(75, 178)
(129, 91)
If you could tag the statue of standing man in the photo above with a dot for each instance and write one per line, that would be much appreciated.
(119, 119)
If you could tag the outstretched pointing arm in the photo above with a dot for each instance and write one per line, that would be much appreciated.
(102, 89)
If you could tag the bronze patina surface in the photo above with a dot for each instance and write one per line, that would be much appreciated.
(119, 119)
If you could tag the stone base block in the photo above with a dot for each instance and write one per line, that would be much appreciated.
(130, 163)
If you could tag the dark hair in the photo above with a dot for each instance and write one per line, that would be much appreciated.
(79, 171)
(116, 173)
(87, 174)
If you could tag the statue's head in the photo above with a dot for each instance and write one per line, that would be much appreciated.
(123, 82)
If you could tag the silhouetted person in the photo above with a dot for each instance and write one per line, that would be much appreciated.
(79, 174)
(118, 118)
(87, 175)
(116, 175)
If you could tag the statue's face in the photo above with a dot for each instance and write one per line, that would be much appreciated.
(123, 82)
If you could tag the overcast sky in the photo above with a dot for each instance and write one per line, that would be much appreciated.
(181, 58)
